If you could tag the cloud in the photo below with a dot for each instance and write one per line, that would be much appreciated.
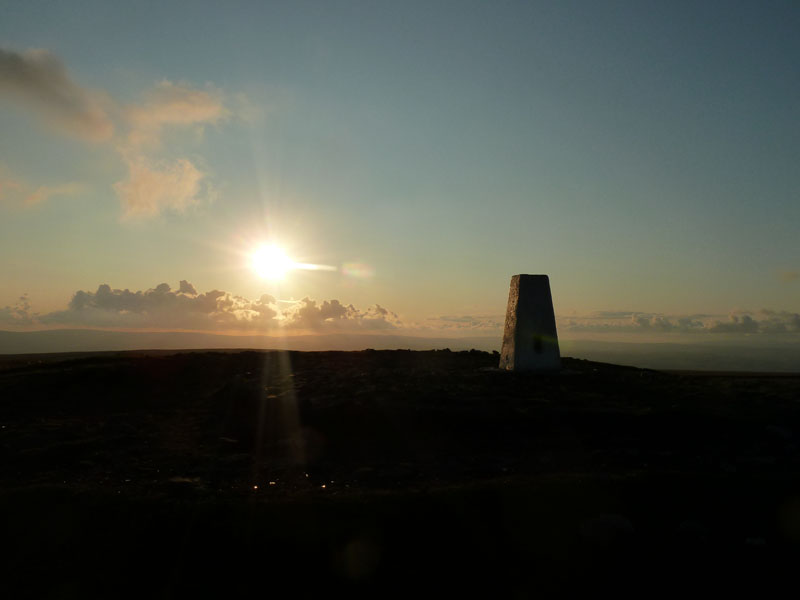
(789, 276)
(12, 191)
(156, 181)
(163, 308)
(39, 80)
(307, 314)
(662, 323)
(19, 314)
(171, 104)
(493, 323)
(45, 192)
(765, 321)
(186, 288)
(152, 188)
(15, 192)
(612, 314)
(736, 324)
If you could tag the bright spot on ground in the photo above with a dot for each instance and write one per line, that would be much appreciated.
(270, 262)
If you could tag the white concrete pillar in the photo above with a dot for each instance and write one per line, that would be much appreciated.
(530, 340)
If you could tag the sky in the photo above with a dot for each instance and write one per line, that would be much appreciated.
(642, 154)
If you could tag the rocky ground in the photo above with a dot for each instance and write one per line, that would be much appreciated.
(390, 473)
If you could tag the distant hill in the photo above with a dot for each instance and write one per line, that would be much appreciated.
(718, 354)
(91, 340)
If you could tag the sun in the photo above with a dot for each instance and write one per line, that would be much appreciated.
(270, 262)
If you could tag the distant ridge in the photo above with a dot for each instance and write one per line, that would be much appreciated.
(715, 355)
(93, 340)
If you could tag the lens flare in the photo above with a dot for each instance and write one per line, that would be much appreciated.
(358, 270)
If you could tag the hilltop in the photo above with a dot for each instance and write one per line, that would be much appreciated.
(175, 470)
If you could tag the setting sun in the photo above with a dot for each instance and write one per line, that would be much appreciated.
(271, 262)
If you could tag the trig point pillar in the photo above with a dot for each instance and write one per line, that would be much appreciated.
(530, 341)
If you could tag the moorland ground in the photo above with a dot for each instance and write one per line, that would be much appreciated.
(389, 473)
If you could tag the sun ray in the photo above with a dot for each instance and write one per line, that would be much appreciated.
(270, 261)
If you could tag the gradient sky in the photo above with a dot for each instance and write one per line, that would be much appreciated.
(643, 154)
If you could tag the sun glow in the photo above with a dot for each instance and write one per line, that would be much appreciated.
(271, 262)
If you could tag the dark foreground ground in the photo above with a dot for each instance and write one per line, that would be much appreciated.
(386, 473)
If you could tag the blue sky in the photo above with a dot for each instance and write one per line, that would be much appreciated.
(643, 154)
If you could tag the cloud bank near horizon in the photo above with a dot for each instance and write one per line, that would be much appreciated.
(764, 321)
(185, 308)
(162, 307)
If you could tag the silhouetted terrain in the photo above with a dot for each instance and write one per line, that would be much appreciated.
(717, 352)
(158, 475)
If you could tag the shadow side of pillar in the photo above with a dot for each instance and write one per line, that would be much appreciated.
(530, 340)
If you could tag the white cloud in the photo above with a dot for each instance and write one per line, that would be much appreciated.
(156, 182)
(171, 104)
(152, 188)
